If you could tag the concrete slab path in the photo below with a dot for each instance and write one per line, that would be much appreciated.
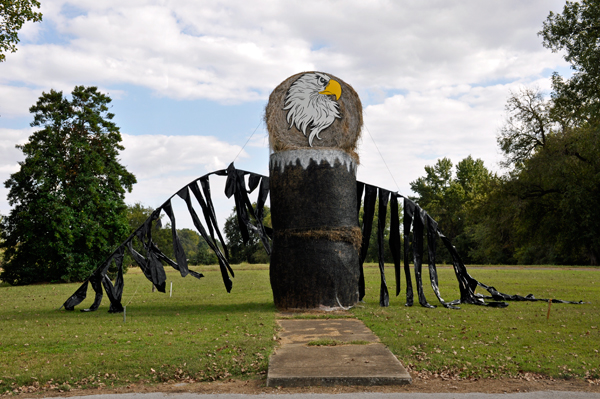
(358, 358)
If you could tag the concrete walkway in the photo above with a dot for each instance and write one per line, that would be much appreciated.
(358, 358)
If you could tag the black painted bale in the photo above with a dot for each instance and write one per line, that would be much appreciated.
(315, 260)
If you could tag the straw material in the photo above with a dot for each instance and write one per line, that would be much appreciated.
(342, 134)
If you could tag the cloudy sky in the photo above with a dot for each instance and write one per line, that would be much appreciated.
(190, 79)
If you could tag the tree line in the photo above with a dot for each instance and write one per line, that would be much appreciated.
(545, 209)
(68, 209)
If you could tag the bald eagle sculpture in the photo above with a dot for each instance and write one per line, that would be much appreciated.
(309, 105)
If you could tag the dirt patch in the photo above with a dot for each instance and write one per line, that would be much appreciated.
(253, 387)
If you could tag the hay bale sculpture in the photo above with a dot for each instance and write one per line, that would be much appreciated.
(314, 121)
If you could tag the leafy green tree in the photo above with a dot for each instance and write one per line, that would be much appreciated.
(448, 197)
(68, 196)
(204, 255)
(576, 32)
(253, 251)
(13, 14)
(549, 200)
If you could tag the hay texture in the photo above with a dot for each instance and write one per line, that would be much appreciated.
(342, 134)
(352, 235)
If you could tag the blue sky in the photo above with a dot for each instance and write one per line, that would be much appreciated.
(189, 80)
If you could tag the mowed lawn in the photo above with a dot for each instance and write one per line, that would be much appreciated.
(203, 333)
(478, 341)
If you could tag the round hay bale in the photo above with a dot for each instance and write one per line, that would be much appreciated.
(314, 110)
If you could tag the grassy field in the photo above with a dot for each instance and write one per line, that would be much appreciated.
(490, 342)
(203, 333)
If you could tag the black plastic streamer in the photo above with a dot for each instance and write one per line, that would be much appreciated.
(432, 228)
(115, 292)
(140, 260)
(367, 227)
(77, 297)
(180, 257)
(394, 241)
(204, 182)
(418, 230)
(236, 186)
(409, 211)
(151, 264)
(210, 219)
(263, 193)
(360, 188)
(223, 263)
(384, 196)
(153, 269)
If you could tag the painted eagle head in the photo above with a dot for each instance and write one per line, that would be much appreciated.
(309, 105)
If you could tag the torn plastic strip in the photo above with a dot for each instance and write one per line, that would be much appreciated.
(384, 196)
(263, 193)
(466, 283)
(394, 242)
(232, 189)
(236, 186)
(418, 233)
(205, 183)
(157, 271)
(211, 224)
(223, 263)
(77, 297)
(360, 188)
(409, 211)
(154, 268)
(253, 182)
(140, 260)
(431, 249)
(115, 292)
(141, 233)
(367, 227)
(498, 296)
(96, 282)
(180, 257)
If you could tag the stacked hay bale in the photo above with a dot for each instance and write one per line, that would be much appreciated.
(314, 122)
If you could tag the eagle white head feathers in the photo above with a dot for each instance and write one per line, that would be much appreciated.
(309, 105)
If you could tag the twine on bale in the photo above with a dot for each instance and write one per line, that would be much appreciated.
(352, 235)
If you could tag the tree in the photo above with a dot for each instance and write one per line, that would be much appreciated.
(577, 32)
(252, 251)
(449, 197)
(13, 14)
(527, 126)
(68, 196)
(204, 255)
(549, 199)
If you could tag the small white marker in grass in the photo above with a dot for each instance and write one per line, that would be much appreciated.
(171, 290)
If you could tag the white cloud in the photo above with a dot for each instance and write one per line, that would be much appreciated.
(453, 63)
(415, 130)
(237, 51)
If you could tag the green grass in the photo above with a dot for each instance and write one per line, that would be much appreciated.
(486, 342)
(203, 333)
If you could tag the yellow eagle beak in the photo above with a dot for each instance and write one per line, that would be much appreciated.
(333, 87)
